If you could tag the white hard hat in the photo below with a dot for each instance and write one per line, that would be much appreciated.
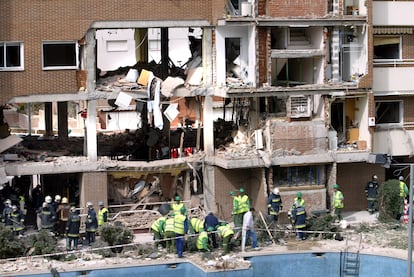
(48, 199)
(401, 178)
(100, 203)
(65, 200)
(57, 197)
(89, 204)
(275, 191)
(7, 202)
(72, 209)
(14, 207)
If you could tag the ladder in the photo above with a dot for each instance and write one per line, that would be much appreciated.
(350, 261)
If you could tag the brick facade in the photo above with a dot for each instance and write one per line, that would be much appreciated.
(34, 21)
(297, 8)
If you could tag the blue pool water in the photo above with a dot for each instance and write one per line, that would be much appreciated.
(292, 265)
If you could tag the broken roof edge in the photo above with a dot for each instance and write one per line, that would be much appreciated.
(136, 24)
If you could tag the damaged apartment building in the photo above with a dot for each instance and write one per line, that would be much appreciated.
(136, 103)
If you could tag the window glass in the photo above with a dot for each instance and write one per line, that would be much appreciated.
(11, 56)
(60, 55)
(387, 48)
(388, 112)
(299, 175)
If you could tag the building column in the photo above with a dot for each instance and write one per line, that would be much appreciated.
(335, 55)
(63, 120)
(93, 188)
(48, 119)
(209, 189)
(91, 140)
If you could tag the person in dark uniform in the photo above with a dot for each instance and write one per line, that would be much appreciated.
(371, 191)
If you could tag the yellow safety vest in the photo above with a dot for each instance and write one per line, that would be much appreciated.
(101, 213)
(179, 224)
(244, 204)
(338, 200)
(197, 224)
(225, 231)
(202, 240)
(169, 224)
(157, 224)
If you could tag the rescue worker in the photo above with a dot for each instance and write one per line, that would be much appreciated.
(298, 201)
(56, 201)
(203, 241)
(403, 196)
(244, 203)
(102, 214)
(22, 205)
(338, 202)
(299, 220)
(178, 206)
(7, 210)
(63, 212)
(196, 225)
(47, 217)
(237, 218)
(371, 192)
(91, 224)
(169, 234)
(158, 229)
(17, 219)
(226, 234)
(180, 229)
(37, 197)
(210, 224)
(72, 230)
(274, 204)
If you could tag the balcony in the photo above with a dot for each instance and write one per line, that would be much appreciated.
(392, 13)
(391, 77)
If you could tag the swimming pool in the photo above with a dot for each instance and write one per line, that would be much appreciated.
(293, 265)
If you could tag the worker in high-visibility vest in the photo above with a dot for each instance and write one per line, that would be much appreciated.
(226, 233)
(202, 242)
(338, 202)
(158, 229)
(102, 214)
(180, 230)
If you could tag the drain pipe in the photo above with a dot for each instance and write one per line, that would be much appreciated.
(410, 224)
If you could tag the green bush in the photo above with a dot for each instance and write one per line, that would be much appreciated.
(41, 243)
(389, 201)
(10, 247)
(116, 234)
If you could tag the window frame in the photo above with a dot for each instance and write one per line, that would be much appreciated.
(400, 113)
(60, 67)
(295, 176)
(390, 60)
(21, 48)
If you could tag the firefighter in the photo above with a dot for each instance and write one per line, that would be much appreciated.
(63, 212)
(371, 191)
(72, 229)
(274, 204)
(299, 220)
(91, 224)
(17, 219)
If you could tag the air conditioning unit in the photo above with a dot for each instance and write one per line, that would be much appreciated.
(299, 106)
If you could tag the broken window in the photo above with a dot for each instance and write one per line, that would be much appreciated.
(274, 106)
(295, 71)
(299, 175)
(11, 57)
(60, 55)
(387, 48)
(388, 112)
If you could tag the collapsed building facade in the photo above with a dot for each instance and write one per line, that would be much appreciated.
(200, 98)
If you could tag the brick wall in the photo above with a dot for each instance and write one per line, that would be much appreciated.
(305, 137)
(408, 47)
(353, 185)
(263, 54)
(297, 8)
(231, 180)
(33, 21)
